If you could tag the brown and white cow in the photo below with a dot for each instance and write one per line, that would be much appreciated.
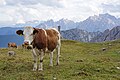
(42, 40)
(12, 45)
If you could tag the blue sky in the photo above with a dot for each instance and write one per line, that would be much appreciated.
(21, 11)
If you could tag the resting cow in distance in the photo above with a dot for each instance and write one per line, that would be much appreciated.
(43, 40)
(12, 45)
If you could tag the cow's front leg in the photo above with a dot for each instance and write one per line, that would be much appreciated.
(51, 58)
(35, 60)
(41, 61)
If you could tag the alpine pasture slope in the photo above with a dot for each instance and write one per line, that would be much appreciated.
(78, 61)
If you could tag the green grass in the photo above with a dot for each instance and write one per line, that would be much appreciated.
(78, 61)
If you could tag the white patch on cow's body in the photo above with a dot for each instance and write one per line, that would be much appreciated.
(45, 32)
(46, 36)
(55, 30)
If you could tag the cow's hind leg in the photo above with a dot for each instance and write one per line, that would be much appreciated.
(58, 54)
(35, 60)
(51, 58)
(41, 61)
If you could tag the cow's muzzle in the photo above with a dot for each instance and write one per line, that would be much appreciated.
(29, 47)
(26, 43)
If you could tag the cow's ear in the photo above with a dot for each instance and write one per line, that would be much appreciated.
(19, 32)
(35, 31)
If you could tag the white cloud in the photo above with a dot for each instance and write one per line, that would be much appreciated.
(2, 2)
(5, 17)
(19, 11)
(55, 3)
(111, 7)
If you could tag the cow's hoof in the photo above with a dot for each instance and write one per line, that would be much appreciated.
(57, 64)
(34, 69)
(40, 69)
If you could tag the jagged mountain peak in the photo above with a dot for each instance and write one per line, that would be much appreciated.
(99, 22)
(50, 20)
(101, 17)
(107, 15)
(108, 35)
(94, 18)
(65, 21)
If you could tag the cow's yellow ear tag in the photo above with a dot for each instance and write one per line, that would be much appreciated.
(20, 34)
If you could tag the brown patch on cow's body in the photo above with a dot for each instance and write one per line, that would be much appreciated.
(43, 41)
(52, 39)
(40, 40)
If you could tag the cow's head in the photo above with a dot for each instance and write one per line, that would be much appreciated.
(28, 34)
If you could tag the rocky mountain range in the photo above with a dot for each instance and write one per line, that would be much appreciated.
(85, 36)
(79, 35)
(94, 23)
(108, 35)
(64, 23)
(97, 28)
(99, 22)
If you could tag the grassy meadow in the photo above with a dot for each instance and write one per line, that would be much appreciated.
(78, 61)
